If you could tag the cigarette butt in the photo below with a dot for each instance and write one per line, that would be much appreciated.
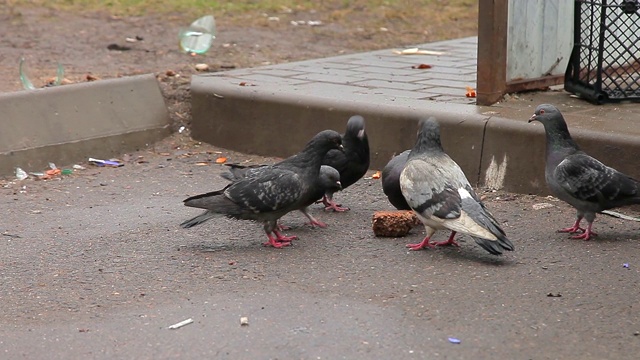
(181, 324)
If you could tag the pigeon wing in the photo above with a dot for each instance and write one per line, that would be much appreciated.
(273, 190)
(587, 179)
(426, 193)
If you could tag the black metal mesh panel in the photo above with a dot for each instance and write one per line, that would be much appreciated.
(605, 61)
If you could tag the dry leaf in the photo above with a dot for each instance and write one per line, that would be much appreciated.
(471, 93)
(221, 160)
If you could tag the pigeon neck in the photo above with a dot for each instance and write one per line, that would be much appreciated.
(558, 137)
(353, 143)
(311, 157)
(426, 147)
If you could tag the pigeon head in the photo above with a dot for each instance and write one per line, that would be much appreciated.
(355, 127)
(428, 136)
(554, 126)
(326, 140)
(546, 113)
(330, 178)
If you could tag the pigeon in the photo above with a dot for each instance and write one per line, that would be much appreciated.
(327, 181)
(391, 180)
(277, 190)
(353, 163)
(438, 192)
(579, 179)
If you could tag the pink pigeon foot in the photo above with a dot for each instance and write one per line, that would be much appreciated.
(317, 223)
(574, 229)
(424, 244)
(450, 241)
(329, 204)
(282, 238)
(275, 242)
(586, 235)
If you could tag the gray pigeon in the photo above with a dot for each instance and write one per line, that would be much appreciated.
(391, 180)
(353, 163)
(578, 179)
(327, 181)
(438, 192)
(279, 189)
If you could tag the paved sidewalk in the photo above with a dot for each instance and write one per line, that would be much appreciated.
(380, 74)
(494, 145)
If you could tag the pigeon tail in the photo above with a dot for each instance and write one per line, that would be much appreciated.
(205, 216)
(216, 203)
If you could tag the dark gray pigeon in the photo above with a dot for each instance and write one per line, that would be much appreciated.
(327, 181)
(391, 180)
(439, 193)
(578, 179)
(353, 163)
(279, 189)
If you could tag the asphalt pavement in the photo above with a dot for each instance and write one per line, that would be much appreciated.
(94, 265)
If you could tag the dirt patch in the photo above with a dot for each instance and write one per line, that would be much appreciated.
(80, 41)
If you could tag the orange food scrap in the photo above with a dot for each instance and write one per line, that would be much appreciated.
(422, 66)
(49, 174)
(376, 175)
(221, 160)
(471, 92)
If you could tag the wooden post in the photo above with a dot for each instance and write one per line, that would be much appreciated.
(492, 50)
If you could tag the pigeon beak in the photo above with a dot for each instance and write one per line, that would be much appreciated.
(339, 185)
(341, 148)
(532, 118)
(361, 134)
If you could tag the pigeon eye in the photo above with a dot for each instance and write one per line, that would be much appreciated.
(541, 111)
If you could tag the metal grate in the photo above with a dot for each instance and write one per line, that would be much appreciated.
(605, 61)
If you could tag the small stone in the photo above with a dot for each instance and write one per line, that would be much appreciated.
(202, 67)
(541, 206)
(244, 321)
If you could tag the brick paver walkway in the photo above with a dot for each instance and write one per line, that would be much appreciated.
(378, 73)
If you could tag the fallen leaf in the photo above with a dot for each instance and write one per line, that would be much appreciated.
(221, 160)
(471, 93)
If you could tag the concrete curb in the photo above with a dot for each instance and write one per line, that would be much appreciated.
(495, 152)
(277, 123)
(70, 123)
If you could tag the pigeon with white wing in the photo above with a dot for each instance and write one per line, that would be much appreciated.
(437, 190)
